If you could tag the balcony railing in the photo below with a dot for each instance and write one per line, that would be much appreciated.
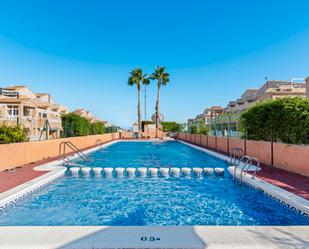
(29, 121)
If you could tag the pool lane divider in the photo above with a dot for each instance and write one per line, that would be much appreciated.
(143, 172)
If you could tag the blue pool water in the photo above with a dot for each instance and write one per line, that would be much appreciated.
(210, 200)
(153, 154)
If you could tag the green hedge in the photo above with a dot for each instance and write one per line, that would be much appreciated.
(97, 128)
(171, 127)
(283, 120)
(75, 125)
(12, 134)
(201, 128)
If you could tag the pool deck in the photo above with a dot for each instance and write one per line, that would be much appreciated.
(292, 182)
(198, 237)
(10, 179)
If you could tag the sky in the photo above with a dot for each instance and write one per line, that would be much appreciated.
(82, 51)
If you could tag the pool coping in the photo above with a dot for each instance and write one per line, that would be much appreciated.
(285, 197)
(8, 198)
(189, 237)
(11, 196)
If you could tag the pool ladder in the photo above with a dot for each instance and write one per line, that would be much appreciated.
(77, 151)
(237, 159)
(236, 154)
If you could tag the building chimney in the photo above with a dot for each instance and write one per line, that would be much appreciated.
(307, 87)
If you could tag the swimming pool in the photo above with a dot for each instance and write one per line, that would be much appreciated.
(208, 200)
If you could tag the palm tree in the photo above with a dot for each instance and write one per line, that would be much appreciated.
(137, 78)
(163, 79)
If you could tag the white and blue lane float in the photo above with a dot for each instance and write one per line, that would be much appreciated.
(144, 172)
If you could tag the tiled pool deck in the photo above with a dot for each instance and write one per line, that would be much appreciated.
(11, 179)
(294, 183)
(196, 237)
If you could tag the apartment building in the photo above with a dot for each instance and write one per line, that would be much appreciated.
(206, 116)
(228, 123)
(85, 114)
(272, 89)
(36, 112)
(90, 117)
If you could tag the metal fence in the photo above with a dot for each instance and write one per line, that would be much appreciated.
(221, 126)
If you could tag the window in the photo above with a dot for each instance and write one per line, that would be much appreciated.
(12, 111)
(27, 111)
(42, 114)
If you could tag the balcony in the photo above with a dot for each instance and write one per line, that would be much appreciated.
(251, 98)
(240, 101)
(55, 107)
(8, 120)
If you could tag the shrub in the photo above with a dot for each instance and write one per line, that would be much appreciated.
(200, 128)
(283, 120)
(193, 129)
(203, 129)
(97, 128)
(75, 125)
(171, 127)
(12, 134)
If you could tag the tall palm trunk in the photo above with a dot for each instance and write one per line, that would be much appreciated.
(158, 111)
(139, 112)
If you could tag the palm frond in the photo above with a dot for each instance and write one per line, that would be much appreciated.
(146, 81)
(160, 75)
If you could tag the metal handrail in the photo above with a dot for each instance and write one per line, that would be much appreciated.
(235, 155)
(244, 160)
(73, 148)
(257, 164)
(248, 165)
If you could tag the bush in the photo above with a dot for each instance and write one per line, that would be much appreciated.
(97, 128)
(283, 120)
(201, 128)
(193, 129)
(75, 125)
(171, 127)
(12, 134)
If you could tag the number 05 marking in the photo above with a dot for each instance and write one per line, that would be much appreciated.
(150, 239)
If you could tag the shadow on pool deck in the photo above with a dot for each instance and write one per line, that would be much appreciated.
(139, 237)
(189, 237)
(282, 238)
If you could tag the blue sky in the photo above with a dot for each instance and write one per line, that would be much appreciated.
(81, 51)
